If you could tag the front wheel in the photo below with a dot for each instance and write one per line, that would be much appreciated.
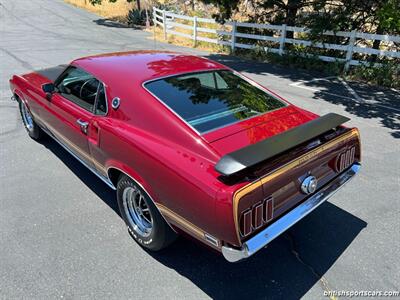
(144, 221)
(30, 125)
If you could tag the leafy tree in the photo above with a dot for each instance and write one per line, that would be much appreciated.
(389, 16)
(379, 16)
(272, 11)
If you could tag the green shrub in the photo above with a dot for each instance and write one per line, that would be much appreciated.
(386, 73)
(137, 17)
(297, 56)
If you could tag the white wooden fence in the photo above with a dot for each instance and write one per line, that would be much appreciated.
(171, 21)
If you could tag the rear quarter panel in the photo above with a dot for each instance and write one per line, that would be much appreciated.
(146, 141)
(175, 177)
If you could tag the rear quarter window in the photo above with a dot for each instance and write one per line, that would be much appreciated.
(213, 99)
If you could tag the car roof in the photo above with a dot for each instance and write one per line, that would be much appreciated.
(141, 66)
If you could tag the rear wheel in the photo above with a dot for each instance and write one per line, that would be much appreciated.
(31, 127)
(145, 223)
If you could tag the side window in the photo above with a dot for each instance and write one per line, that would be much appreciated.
(101, 104)
(221, 83)
(79, 87)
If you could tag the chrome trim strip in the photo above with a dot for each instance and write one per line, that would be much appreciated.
(105, 180)
(215, 116)
(263, 238)
(105, 94)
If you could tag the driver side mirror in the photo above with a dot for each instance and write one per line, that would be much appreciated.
(49, 89)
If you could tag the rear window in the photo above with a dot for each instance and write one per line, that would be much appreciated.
(210, 100)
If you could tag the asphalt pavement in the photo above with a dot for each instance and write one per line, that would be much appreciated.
(62, 237)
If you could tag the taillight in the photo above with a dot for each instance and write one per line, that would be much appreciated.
(247, 227)
(256, 216)
(345, 159)
(268, 209)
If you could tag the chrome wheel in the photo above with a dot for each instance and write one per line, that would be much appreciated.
(27, 117)
(137, 211)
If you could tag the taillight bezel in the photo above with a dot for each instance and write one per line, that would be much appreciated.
(250, 219)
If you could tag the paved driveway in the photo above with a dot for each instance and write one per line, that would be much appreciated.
(61, 235)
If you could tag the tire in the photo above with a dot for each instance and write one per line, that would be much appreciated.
(145, 223)
(30, 125)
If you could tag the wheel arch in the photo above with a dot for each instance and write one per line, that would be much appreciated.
(114, 173)
(115, 169)
(18, 95)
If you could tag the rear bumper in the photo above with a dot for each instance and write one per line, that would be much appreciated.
(264, 237)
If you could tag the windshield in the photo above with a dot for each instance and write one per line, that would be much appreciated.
(210, 100)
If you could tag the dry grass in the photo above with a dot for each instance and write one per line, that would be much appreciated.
(158, 34)
(116, 11)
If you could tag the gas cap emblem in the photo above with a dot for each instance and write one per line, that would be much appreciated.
(115, 103)
(309, 185)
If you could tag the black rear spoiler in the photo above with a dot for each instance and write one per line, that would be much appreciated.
(248, 156)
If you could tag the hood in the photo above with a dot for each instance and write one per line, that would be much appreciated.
(251, 131)
(42, 76)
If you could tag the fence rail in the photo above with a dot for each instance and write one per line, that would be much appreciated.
(171, 22)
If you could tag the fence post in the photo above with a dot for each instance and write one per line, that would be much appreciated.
(154, 17)
(282, 40)
(349, 53)
(164, 18)
(194, 31)
(233, 40)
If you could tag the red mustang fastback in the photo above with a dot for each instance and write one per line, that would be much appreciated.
(191, 146)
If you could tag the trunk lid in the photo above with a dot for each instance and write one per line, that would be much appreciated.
(251, 131)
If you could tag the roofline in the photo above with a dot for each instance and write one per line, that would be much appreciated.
(250, 81)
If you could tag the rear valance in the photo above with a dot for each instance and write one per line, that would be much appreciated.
(251, 155)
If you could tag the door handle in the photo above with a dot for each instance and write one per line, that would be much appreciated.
(83, 125)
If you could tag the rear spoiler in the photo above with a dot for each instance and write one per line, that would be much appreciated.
(248, 156)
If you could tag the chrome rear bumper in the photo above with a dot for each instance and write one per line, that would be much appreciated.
(263, 238)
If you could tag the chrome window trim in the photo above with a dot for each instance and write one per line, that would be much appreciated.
(249, 118)
(165, 105)
(253, 83)
(72, 65)
(95, 104)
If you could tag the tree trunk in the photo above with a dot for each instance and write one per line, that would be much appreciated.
(138, 5)
(377, 43)
(291, 13)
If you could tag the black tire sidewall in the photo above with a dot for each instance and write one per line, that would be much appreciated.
(158, 237)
